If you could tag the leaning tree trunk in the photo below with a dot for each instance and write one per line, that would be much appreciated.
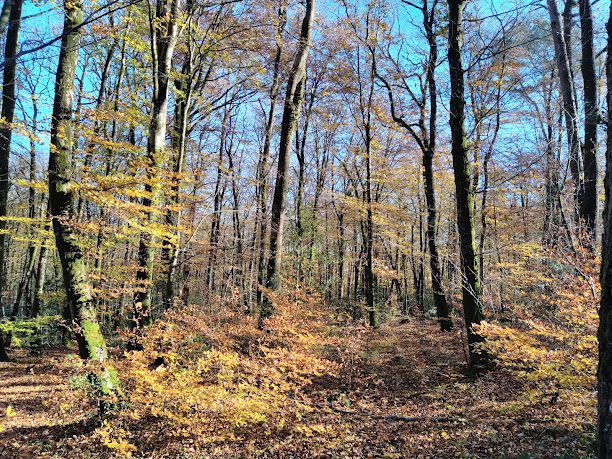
(291, 110)
(604, 334)
(262, 172)
(61, 196)
(569, 102)
(588, 210)
(471, 288)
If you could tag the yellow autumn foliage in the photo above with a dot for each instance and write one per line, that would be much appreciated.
(551, 342)
(219, 378)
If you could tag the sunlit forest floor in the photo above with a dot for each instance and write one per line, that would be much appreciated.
(398, 391)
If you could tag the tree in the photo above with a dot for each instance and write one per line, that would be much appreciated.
(588, 210)
(6, 132)
(464, 194)
(61, 195)
(569, 103)
(163, 29)
(291, 110)
(604, 333)
(425, 135)
(262, 166)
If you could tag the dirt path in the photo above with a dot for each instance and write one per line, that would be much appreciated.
(409, 397)
(403, 393)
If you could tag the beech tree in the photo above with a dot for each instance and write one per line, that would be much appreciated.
(470, 286)
(163, 29)
(604, 334)
(291, 110)
(175, 237)
(588, 211)
(569, 103)
(425, 137)
(6, 131)
(61, 196)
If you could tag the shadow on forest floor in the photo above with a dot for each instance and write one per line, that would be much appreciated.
(402, 392)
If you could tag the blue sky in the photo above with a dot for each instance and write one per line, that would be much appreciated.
(41, 27)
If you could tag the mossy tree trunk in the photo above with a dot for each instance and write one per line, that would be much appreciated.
(61, 195)
(471, 288)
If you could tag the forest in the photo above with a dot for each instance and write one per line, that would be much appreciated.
(306, 229)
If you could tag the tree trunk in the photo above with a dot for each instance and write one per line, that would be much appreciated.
(442, 309)
(300, 145)
(299, 224)
(6, 129)
(163, 41)
(553, 222)
(369, 227)
(28, 270)
(39, 286)
(215, 226)
(588, 211)
(181, 119)
(471, 288)
(569, 102)
(61, 196)
(5, 14)
(604, 334)
(237, 270)
(262, 167)
(293, 101)
(485, 168)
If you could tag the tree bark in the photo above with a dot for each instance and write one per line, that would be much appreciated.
(215, 226)
(293, 102)
(163, 41)
(61, 194)
(262, 166)
(604, 333)
(471, 288)
(569, 102)
(588, 210)
(5, 14)
(369, 223)
(442, 309)
(6, 128)
(181, 119)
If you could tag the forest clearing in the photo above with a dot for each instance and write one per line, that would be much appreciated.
(306, 228)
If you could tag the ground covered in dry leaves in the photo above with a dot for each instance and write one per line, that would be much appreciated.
(399, 391)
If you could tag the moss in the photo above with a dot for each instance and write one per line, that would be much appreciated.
(96, 347)
(110, 383)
